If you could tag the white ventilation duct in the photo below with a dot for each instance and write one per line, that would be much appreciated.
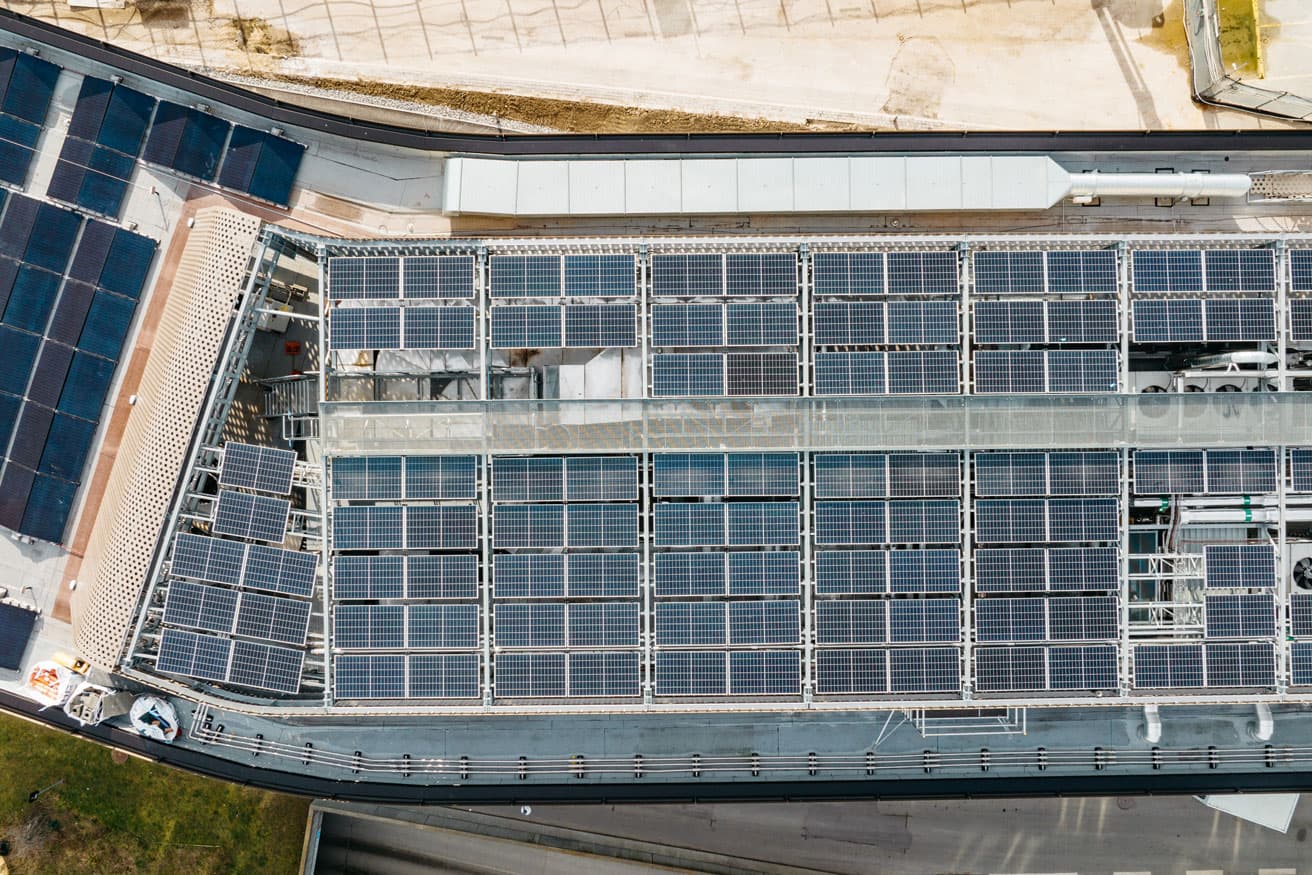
(813, 184)
(1152, 724)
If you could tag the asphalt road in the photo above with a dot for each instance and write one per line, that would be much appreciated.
(1097, 835)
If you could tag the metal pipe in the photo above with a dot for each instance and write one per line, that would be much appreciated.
(1179, 185)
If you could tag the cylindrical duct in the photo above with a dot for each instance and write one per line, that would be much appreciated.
(1180, 185)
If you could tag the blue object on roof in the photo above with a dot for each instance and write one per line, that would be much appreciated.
(187, 140)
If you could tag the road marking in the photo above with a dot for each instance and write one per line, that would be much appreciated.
(1277, 872)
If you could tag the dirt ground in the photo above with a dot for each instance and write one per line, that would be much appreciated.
(692, 65)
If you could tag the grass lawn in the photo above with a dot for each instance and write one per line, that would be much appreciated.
(116, 814)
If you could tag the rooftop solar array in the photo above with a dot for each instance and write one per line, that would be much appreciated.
(1195, 270)
(1204, 472)
(68, 294)
(1182, 666)
(1026, 321)
(251, 517)
(1195, 320)
(26, 86)
(250, 566)
(556, 276)
(764, 275)
(105, 136)
(413, 277)
(1058, 272)
(1035, 668)
(884, 273)
(267, 667)
(423, 327)
(1056, 371)
(264, 469)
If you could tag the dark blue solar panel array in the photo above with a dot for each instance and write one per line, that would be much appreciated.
(187, 140)
(105, 136)
(26, 86)
(261, 165)
(68, 292)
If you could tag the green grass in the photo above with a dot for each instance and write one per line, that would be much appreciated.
(135, 816)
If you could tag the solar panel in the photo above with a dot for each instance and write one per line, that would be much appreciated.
(290, 572)
(535, 675)
(1005, 272)
(602, 525)
(688, 374)
(764, 573)
(127, 263)
(525, 276)
(441, 577)
(600, 325)
(1158, 666)
(1083, 519)
(851, 621)
(209, 559)
(254, 517)
(111, 115)
(850, 475)
(600, 276)
(1168, 472)
(368, 528)
(1082, 271)
(603, 674)
(1005, 473)
(678, 475)
(763, 523)
(761, 324)
(194, 606)
(1092, 667)
(369, 627)
(270, 618)
(17, 623)
(601, 478)
(374, 277)
(923, 620)
(690, 623)
(18, 140)
(923, 322)
(1082, 618)
(848, 273)
(261, 164)
(29, 86)
(437, 276)
(1300, 615)
(369, 676)
(1241, 616)
(266, 667)
(438, 328)
(1083, 322)
(1242, 472)
(603, 575)
(1240, 665)
(922, 273)
(1168, 270)
(367, 478)
(765, 673)
(687, 276)
(689, 525)
(923, 522)
(1240, 319)
(923, 372)
(186, 140)
(928, 571)
(764, 622)
(1002, 620)
(528, 525)
(1059, 569)
(442, 626)
(851, 522)
(1243, 566)
(441, 527)
(254, 467)
(442, 676)
(752, 474)
(1300, 663)
(924, 474)
(924, 670)
(70, 311)
(1084, 473)
(1300, 319)
(688, 574)
(691, 673)
(66, 447)
(751, 373)
(530, 625)
(603, 624)
(687, 325)
(194, 655)
(851, 572)
(846, 672)
(850, 373)
(84, 390)
(853, 323)
(365, 328)
(1300, 470)
(528, 478)
(1010, 669)
(441, 477)
(1300, 270)
(32, 299)
(368, 577)
(1240, 270)
(1036, 520)
(770, 274)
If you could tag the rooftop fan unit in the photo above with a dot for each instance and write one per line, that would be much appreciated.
(1300, 566)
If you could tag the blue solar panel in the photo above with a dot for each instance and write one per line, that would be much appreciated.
(127, 118)
(440, 477)
(1242, 566)
(1300, 470)
(602, 525)
(1241, 616)
(1091, 667)
(687, 374)
(601, 478)
(1009, 371)
(848, 273)
(691, 673)
(368, 478)
(850, 373)
(369, 676)
(526, 327)
(1083, 322)
(1168, 665)
(603, 674)
(528, 525)
(679, 475)
(681, 624)
(600, 276)
(48, 376)
(1019, 321)
(368, 577)
(924, 670)
(932, 570)
(368, 528)
(441, 577)
(764, 673)
(30, 436)
(923, 522)
(763, 523)
(67, 447)
(261, 164)
(49, 504)
(755, 373)
(1010, 669)
(849, 323)
(764, 573)
(127, 263)
(922, 322)
(537, 675)
(687, 325)
(354, 278)
(528, 478)
(851, 572)
(52, 247)
(752, 474)
(1300, 663)
(442, 626)
(848, 621)
(922, 273)
(442, 676)
(923, 372)
(1168, 270)
(851, 522)
(365, 327)
(9, 405)
(1168, 472)
(1168, 320)
(535, 624)
(106, 326)
(1082, 271)
(1005, 272)
(1240, 665)
(603, 624)
(29, 86)
(928, 620)
(441, 527)
(762, 324)
(851, 475)
(32, 299)
(1240, 319)
(438, 328)
(845, 672)
(187, 140)
(601, 325)
(17, 149)
(690, 525)
(14, 490)
(1241, 472)
(438, 276)
(16, 229)
(1240, 270)
(608, 575)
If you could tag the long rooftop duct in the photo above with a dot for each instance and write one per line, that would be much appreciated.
(821, 184)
